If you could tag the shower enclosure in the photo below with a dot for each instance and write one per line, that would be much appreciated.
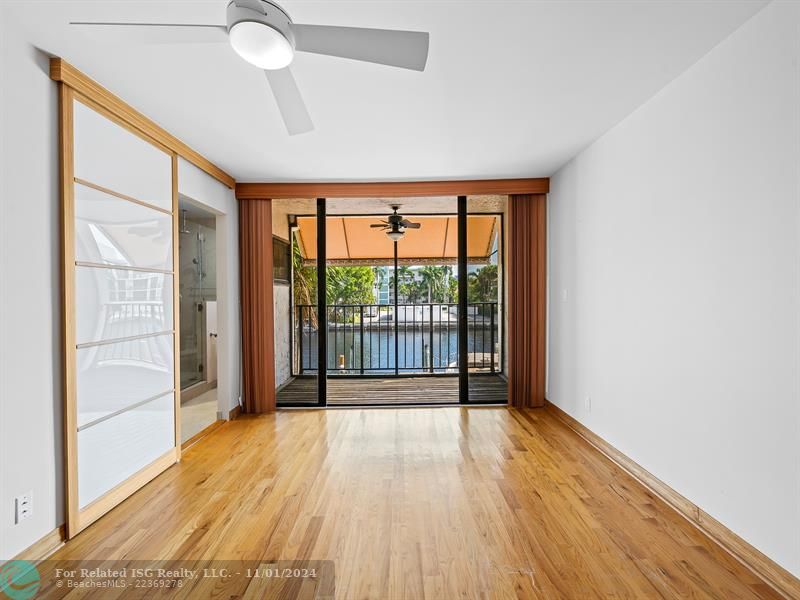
(198, 288)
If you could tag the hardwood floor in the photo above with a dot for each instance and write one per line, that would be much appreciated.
(441, 502)
(395, 390)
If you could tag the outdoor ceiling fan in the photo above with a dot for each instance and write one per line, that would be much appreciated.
(396, 225)
(263, 34)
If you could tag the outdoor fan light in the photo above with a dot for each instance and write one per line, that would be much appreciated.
(395, 234)
(396, 225)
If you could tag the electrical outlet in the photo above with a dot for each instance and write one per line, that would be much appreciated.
(23, 507)
(588, 403)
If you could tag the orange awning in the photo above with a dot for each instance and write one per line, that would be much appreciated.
(351, 240)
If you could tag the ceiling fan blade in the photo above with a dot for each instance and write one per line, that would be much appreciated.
(410, 225)
(290, 102)
(156, 33)
(406, 49)
(381, 225)
(251, 4)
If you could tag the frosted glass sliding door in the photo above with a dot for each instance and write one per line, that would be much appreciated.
(119, 205)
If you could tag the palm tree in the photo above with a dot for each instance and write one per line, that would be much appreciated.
(452, 289)
(405, 284)
(483, 284)
(435, 280)
(305, 279)
(305, 284)
(380, 275)
(405, 274)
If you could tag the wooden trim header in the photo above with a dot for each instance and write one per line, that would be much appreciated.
(62, 71)
(390, 189)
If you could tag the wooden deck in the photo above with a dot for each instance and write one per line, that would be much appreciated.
(395, 390)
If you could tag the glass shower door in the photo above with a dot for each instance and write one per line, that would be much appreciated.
(197, 287)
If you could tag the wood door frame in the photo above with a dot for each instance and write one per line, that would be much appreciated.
(65, 73)
(66, 98)
(74, 86)
(77, 518)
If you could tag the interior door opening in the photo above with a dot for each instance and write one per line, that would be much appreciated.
(198, 318)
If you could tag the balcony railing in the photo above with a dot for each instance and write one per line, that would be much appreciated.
(361, 338)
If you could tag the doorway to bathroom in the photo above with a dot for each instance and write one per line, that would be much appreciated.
(198, 318)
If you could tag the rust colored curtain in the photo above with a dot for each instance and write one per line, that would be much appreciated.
(527, 297)
(258, 327)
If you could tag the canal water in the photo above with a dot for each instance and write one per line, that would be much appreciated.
(414, 349)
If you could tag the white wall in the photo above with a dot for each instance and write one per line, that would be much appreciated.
(30, 324)
(30, 344)
(209, 193)
(674, 304)
(281, 293)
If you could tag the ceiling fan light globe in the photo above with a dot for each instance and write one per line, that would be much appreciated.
(261, 45)
(395, 236)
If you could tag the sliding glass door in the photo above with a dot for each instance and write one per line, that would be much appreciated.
(391, 280)
(302, 309)
(361, 288)
(395, 302)
(485, 283)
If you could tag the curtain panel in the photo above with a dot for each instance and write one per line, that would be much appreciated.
(258, 335)
(527, 298)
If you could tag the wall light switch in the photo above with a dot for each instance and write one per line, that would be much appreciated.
(23, 507)
(588, 403)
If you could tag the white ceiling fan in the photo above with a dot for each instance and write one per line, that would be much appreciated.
(263, 34)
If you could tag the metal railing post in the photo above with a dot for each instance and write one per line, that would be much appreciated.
(332, 316)
(338, 317)
(491, 337)
(300, 339)
(430, 334)
(361, 336)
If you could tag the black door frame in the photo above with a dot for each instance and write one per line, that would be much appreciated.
(463, 347)
(462, 323)
(322, 305)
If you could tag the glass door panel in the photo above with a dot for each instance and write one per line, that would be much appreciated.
(485, 299)
(119, 207)
(300, 309)
(391, 291)
(362, 320)
(198, 287)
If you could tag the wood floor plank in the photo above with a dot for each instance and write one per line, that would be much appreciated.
(436, 503)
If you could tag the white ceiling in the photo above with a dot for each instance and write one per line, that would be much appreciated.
(511, 89)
